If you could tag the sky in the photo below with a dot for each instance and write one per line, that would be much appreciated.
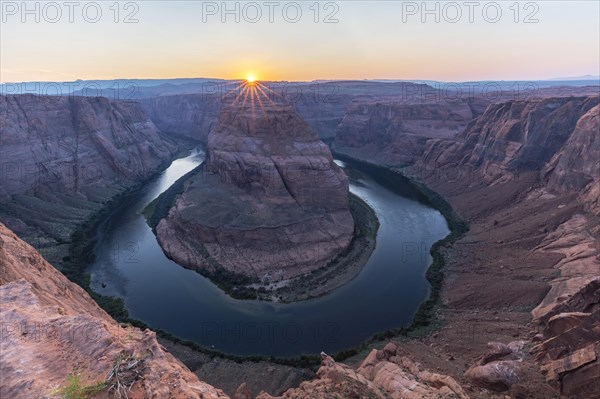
(299, 41)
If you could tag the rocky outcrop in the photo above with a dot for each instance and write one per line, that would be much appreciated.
(576, 167)
(396, 131)
(517, 137)
(55, 336)
(499, 369)
(570, 353)
(270, 202)
(243, 392)
(576, 287)
(570, 311)
(63, 158)
(383, 374)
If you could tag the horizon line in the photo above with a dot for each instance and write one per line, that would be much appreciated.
(564, 78)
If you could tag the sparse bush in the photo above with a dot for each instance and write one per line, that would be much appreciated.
(74, 389)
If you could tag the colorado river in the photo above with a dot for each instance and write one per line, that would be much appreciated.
(130, 264)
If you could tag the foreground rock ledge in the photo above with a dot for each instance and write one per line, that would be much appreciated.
(383, 374)
(270, 204)
(52, 329)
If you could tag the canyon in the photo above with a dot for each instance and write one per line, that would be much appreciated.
(62, 334)
(520, 299)
(529, 265)
(193, 111)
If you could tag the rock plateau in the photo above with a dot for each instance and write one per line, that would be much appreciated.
(269, 204)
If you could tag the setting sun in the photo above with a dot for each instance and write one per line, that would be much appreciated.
(250, 79)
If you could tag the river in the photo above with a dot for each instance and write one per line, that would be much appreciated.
(130, 264)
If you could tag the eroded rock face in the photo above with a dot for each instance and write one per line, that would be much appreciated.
(270, 202)
(516, 137)
(576, 289)
(56, 141)
(570, 351)
(383, 374)
(576, 168)
(396, 131)
(570, 312)
(51, 329)
(64, 157)
(524, 133)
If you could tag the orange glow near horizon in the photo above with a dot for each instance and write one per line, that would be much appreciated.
(367, 42)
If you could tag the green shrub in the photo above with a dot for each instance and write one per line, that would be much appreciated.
(74, 389)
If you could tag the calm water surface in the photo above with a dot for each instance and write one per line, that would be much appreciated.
(130, 264)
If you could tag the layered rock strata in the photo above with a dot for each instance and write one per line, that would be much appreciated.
(63, 158)
(270, 202)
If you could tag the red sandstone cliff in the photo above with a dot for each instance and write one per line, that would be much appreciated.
(52, 329)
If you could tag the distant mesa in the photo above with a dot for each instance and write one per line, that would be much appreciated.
(269, 203)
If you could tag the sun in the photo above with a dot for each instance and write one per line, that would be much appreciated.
(250, 78)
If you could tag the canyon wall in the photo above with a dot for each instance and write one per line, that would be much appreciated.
(517, 137)
(324, 105)
(576, 167)
(64, 158)
(394, 131)
(188, 115)
(525, 174)
(393, 127)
